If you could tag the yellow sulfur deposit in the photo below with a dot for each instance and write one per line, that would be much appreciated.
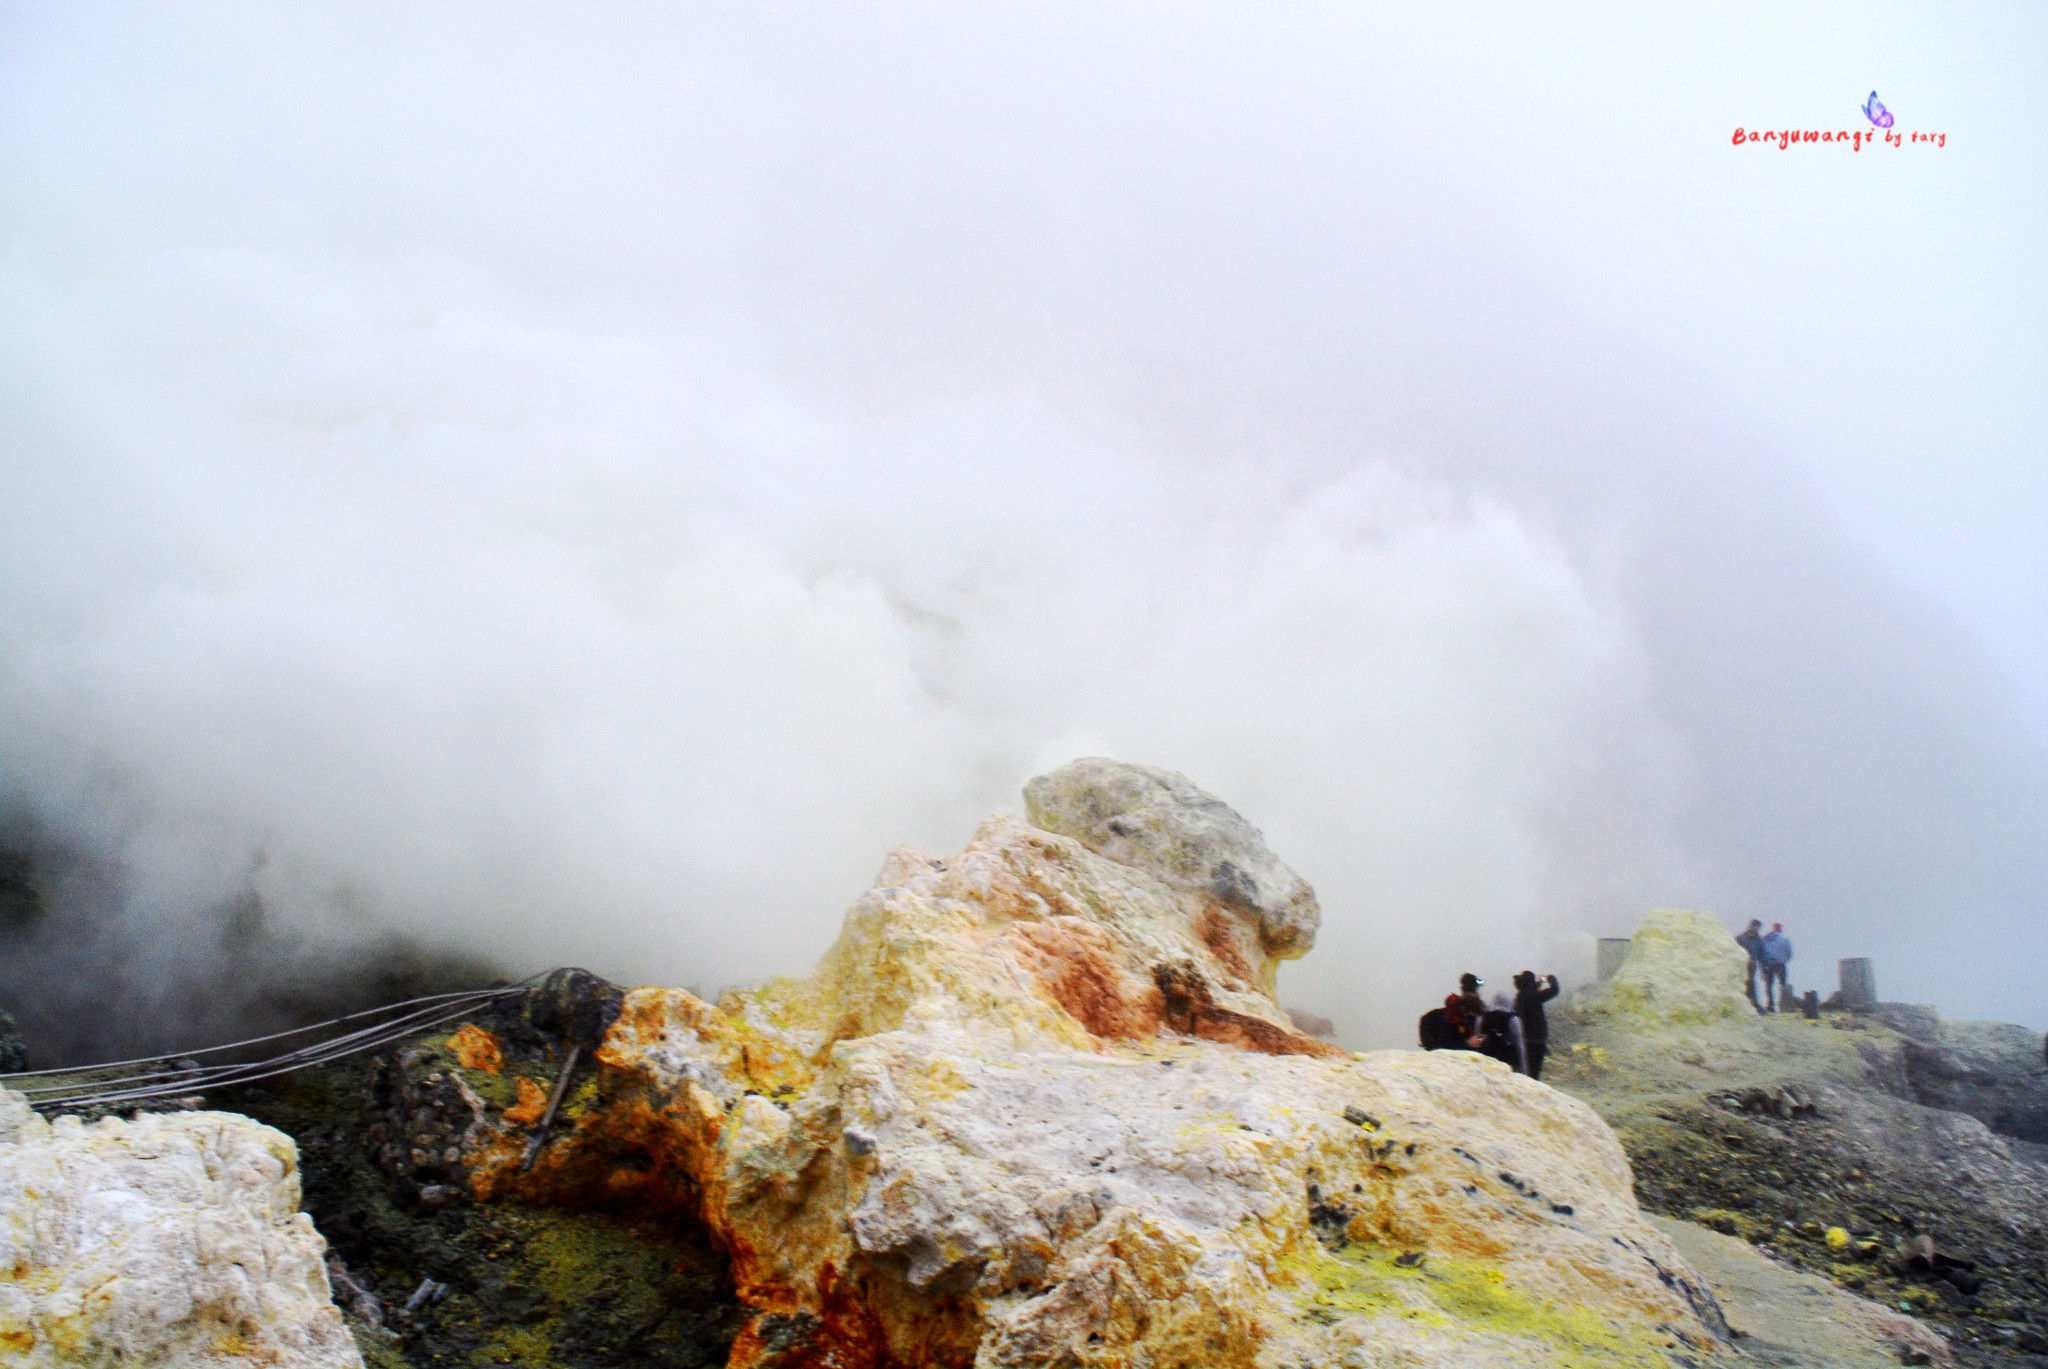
(1682, 968)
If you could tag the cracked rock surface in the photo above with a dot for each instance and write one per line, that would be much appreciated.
(174, 1239)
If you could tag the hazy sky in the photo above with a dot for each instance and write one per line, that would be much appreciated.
(583, 483)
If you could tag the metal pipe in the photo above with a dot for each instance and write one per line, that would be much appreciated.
(540, 1133)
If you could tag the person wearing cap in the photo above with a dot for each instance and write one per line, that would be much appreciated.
(1468, 996)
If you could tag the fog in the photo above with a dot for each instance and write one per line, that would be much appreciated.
(580, 487)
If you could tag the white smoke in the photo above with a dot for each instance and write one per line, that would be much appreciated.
(582, 498)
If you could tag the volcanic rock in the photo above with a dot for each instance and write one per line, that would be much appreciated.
(1038, 1105)
(1991, 1070)
(1159, 822)
(173, 1239)
(1682, 968)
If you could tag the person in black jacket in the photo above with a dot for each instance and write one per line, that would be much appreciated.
(1530, 996)
(1437, 1028)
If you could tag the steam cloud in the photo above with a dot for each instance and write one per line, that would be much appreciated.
(582, 498)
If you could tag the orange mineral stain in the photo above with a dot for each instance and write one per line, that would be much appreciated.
(477, 1049)
(532, 1104)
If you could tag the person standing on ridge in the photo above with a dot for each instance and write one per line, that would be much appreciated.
(1775, 955)
(1752, 940)
(1530, 996)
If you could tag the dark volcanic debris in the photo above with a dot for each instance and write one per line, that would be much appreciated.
(430, 1278)
(1811, 1140)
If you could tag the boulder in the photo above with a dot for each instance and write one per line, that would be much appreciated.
(1159, 822)
(1990, 1070)
(174, 1239)
(1682, 968)
(1038, 1105)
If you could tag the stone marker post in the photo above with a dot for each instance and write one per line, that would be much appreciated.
(1613, 950)
(1859, 985)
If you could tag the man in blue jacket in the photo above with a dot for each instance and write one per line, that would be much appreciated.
(1775, 954)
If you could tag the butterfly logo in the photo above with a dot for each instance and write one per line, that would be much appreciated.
(1877, 113)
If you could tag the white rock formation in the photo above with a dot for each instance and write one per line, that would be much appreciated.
(1159, 822)
(174, 1241)
(1038, 1106)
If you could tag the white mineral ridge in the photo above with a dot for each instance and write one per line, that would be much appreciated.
(1158, 821)
(1682, 967)
(174, 1241)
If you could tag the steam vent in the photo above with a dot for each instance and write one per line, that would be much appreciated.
(1038, 1105)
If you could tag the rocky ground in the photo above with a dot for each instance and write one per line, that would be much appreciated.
(430, 1278)
(426, 1276)
(1782, 1318)
(510, 1283)
(1814, 1141)
(1038, 1105)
